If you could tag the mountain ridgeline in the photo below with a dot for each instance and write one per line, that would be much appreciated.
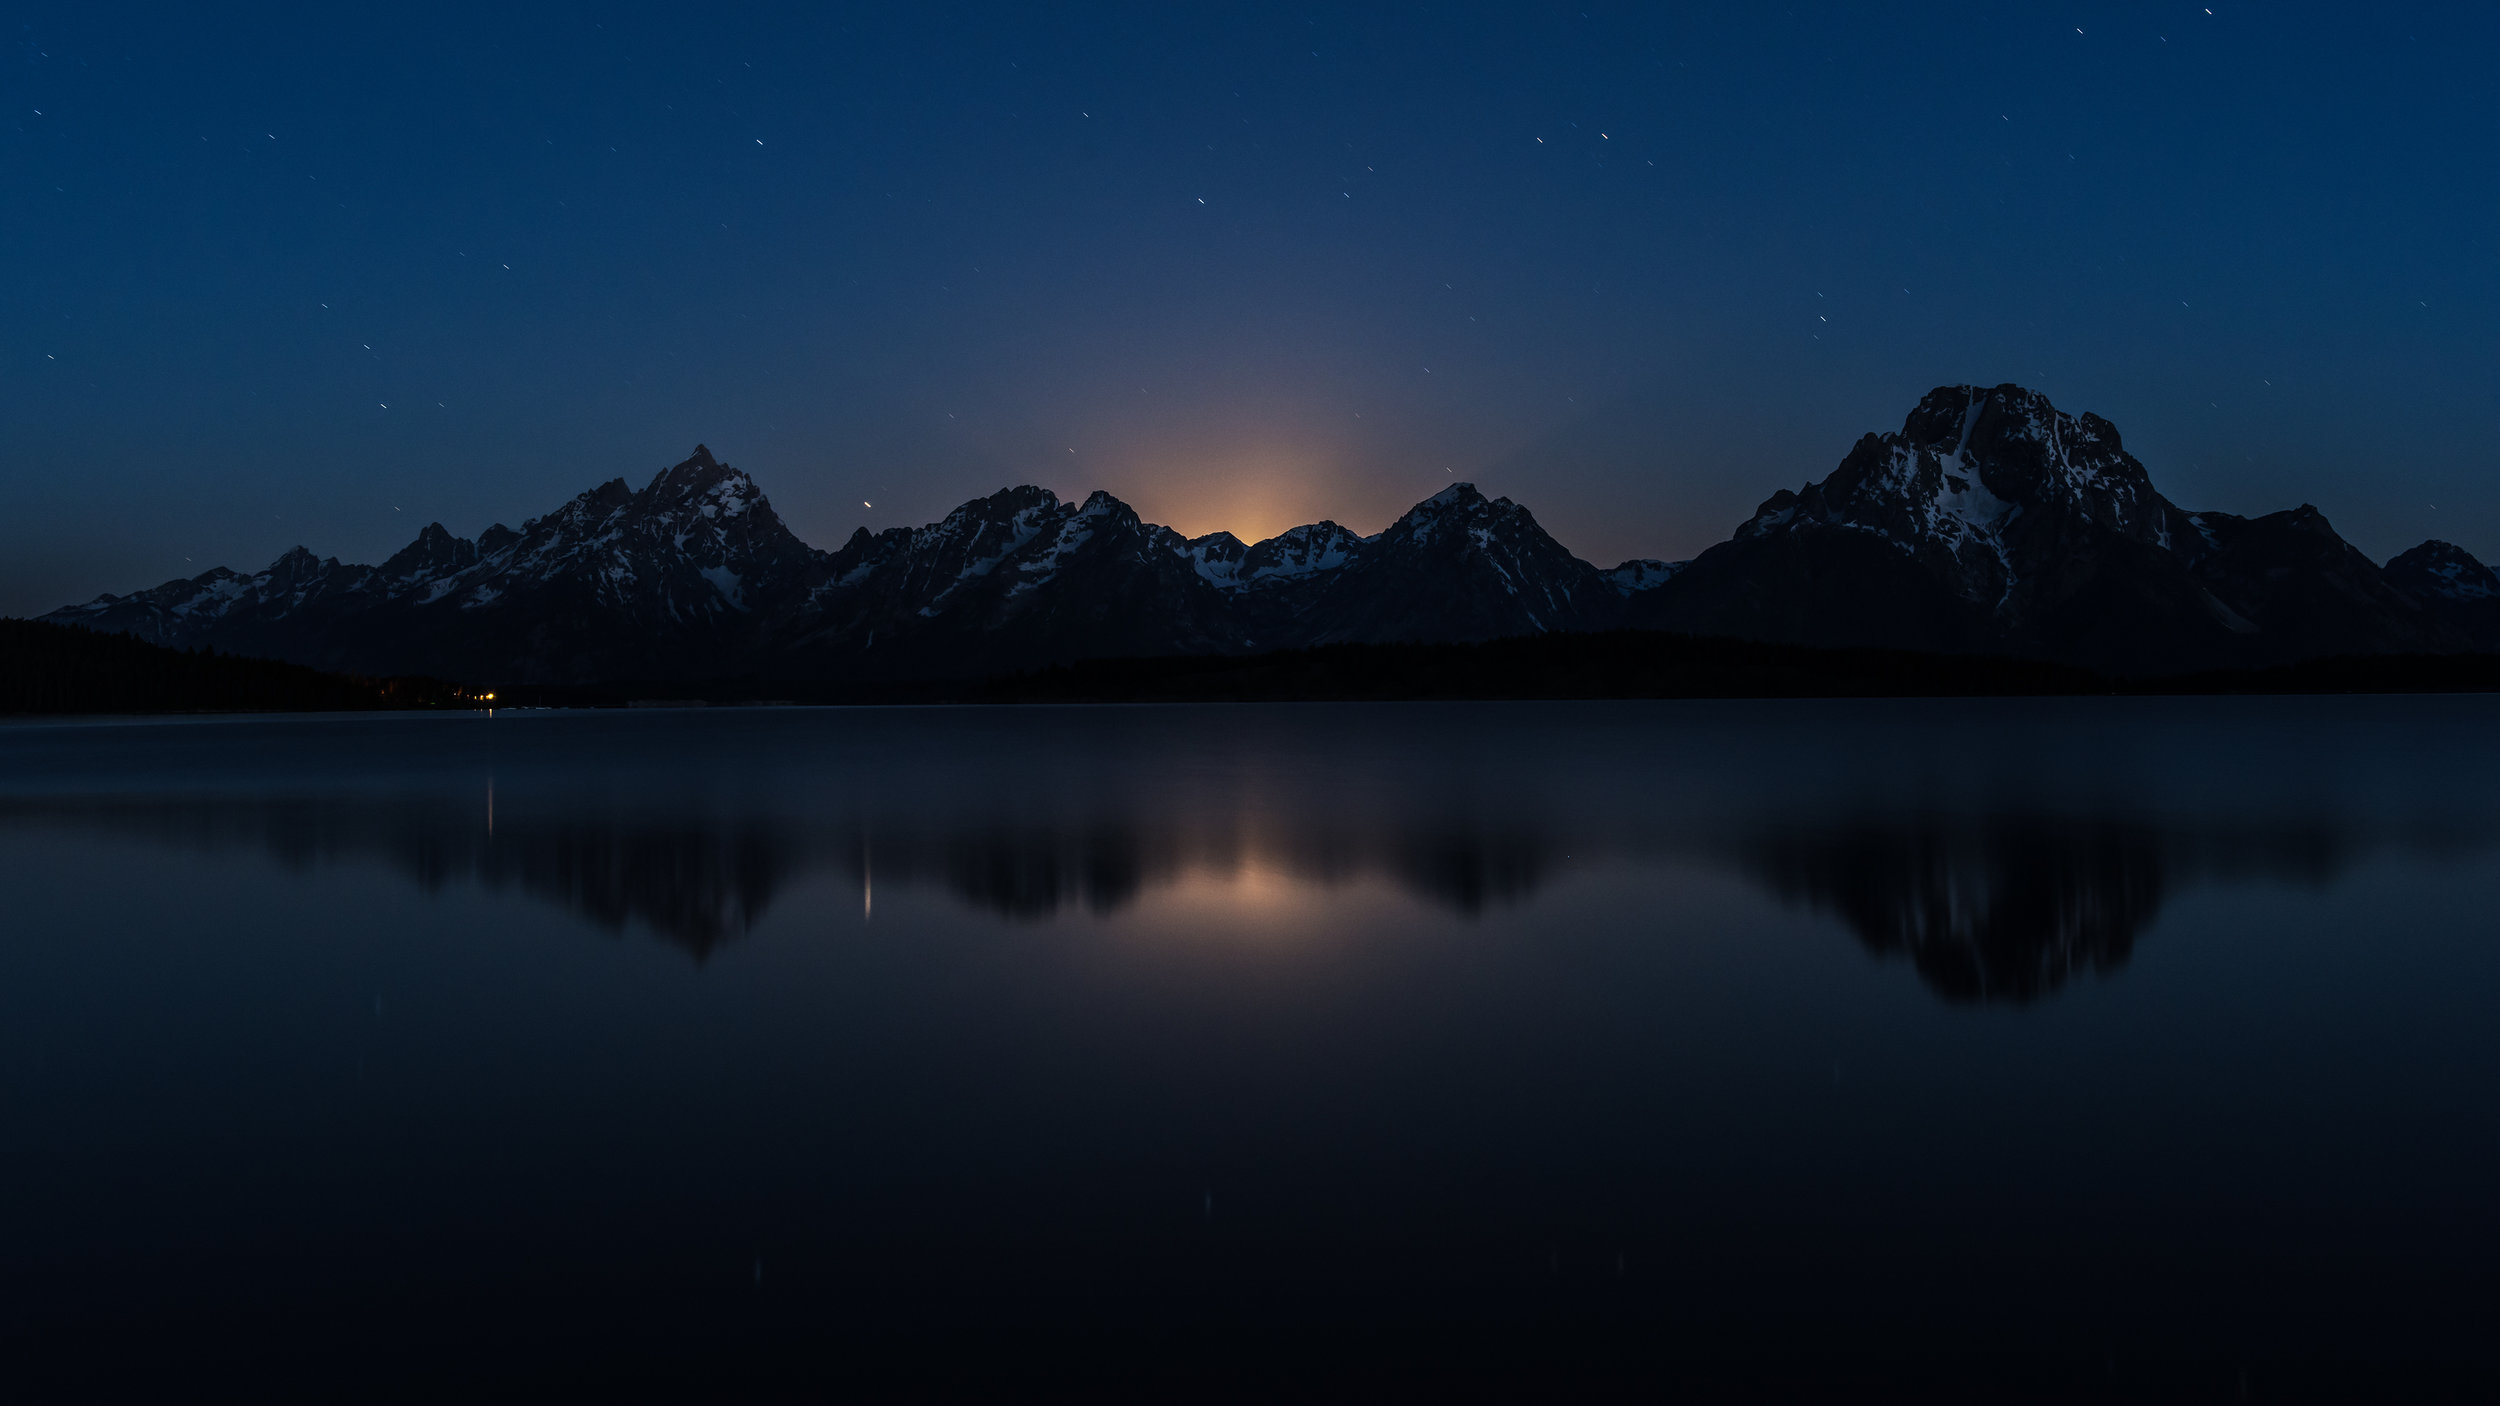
(1991, 523)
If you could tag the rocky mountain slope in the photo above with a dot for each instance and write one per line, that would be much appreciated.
(665, 582)
(1991, 522)
(2461, 592)
(695, 577)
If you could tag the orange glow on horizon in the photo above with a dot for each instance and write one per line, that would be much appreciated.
(1252, 493)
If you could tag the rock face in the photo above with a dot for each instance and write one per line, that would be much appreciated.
(2452, 585)
(1992, 521)
(1461, 567)
(695, 577)
(1011, 581)
(1020, 579)
(613, 585)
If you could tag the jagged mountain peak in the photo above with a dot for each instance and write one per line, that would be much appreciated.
(1302, 551)
(1459, 504)
(1461, 566)
(701, 476)
(435, 552)
(1985, 487)
(1217, 557)
(1458, 500)
(1295, 554)
(1001, 506)
(1100, 504)
(965, 545)
(702, 491)
(297, 568)
(1948, 415)
(2444, 570)
(2447, 581)
(2024, 451)
(2031, 453)
(589, 505)
(1644, 574)
(1990, 520)
(1011, 513)
(1994, 521)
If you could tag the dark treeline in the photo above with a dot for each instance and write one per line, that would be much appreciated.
(1639, 664)
(1622, 664)
(2358, 673)
(57, 669)
(1619, 664)
(64, 669)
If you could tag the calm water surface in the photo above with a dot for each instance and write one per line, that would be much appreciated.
(2067, 1048)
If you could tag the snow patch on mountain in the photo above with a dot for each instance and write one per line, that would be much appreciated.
(2446, 570)
(1643, 574)
(728, 584)
(1216, 558)
(1039, 569)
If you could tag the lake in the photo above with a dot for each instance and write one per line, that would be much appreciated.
(1991, 1048)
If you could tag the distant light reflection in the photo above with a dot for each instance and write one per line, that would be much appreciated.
(1995, 908)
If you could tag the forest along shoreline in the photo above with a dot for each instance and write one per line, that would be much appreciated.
(50, 669)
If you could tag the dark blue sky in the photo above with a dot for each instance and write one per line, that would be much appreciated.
(305, 276)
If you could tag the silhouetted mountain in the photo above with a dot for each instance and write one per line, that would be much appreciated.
(1460, 567)
(1008, 581)
(1990, 523)
(1994, 522)
(2448, 582)
(615, 584)
(695, 577)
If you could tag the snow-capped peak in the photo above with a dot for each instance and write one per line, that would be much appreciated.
(2446, 570)
(1971, 470)
(1644, 574)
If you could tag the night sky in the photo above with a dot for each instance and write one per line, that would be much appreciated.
(305, 276)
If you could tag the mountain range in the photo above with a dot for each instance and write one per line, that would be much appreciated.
(1991, 522)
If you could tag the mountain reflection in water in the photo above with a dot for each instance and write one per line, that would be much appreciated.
(2001, 848)
(2106, 1049)
(699, 885)
(2009, 908)
(1997, 908)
